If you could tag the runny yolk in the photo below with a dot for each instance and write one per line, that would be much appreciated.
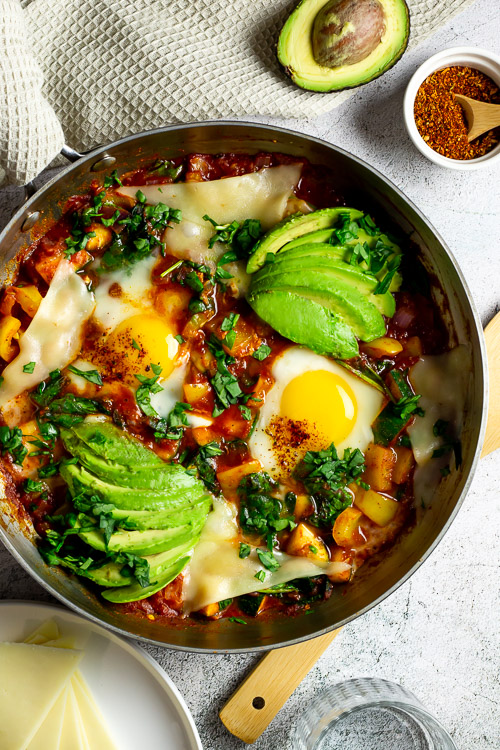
(139, 341)
(325, 401)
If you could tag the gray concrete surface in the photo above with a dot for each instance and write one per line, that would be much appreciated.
(438, 635)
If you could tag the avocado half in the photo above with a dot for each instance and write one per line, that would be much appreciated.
(298, 42)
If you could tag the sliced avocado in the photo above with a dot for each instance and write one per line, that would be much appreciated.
(306, 322)
(135, 592)
(342, 44)
(145, 519)
(110, 443)
(341, 298)
(127, 498)
(292, 227)
(315, 259)
(146, 542)
(344, 252)
(107, 575)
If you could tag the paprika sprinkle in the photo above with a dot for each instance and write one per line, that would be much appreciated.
(440, 120)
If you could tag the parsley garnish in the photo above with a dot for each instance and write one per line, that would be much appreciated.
(224, 604)
(31, 485)
(148, 386)
(325, 477)
(48, 389)
(113, 179)
(267, 559)
(262, 352)
(91, 375)
(205, 466)
(176, 421)
(238, 620)
(11, 441)
(260, 575)
(245, 550)
(29, 368)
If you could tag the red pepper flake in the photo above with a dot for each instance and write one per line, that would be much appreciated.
(441, 121)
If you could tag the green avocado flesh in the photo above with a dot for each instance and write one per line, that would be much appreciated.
(137, 512)
(135, 592)
(295, 226)
(296, 51)
(326, 268)
(306, 322)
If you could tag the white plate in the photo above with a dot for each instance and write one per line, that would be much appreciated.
(142, 706)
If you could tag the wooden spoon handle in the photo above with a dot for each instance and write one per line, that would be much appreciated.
(492, 338)
(480, 116)
(270, 684)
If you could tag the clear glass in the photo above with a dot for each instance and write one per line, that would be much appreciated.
(368, 714)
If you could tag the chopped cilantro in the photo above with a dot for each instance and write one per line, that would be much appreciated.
(136, 345)
(245, 550)
(204, 464)
(267, 559)
(113, 179)
(30, 485)
(224, 604)
(48, 389)
(262, 352)
(11, 441)
(91, 375)
(239, 620)
(29, 368)
(179, 339)
(325, 477)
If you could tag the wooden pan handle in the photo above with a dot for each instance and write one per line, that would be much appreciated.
(492, 337)
(268, 687)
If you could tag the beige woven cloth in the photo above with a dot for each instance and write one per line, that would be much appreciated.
(114, 67)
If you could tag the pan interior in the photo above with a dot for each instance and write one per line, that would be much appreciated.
(380, 576)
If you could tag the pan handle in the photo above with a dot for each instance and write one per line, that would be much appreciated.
(71, 154)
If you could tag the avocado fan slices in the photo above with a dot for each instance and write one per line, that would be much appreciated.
(153, 512)
(324, 280)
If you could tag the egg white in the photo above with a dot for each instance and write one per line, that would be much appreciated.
(291, 364)
(135, 298)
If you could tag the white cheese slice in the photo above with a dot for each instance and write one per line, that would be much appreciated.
(31, 680)
(47, 631)
(54, 336)
(216, 571)
(93, 722)
(260, 195)
(73, 735)
(48, 736)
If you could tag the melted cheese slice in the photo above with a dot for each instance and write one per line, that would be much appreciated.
(216, 571)
(54, 336)
(261, 195)
(31, 680)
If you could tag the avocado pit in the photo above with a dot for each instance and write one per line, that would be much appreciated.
(346, 32)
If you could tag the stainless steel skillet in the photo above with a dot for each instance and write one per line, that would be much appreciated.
(380, 577)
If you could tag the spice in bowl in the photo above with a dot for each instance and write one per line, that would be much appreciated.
(440, 120)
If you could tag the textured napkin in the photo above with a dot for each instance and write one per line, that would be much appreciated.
(115, 67)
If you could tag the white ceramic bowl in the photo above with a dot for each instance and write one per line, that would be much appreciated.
(472, 57)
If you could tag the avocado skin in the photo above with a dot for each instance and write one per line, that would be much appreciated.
(338, 296)
(334, 79)
(306, 322)
(320, 260)
(292, 227)
(135, 592)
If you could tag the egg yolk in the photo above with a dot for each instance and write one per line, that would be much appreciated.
(325, 401)
(139, 341)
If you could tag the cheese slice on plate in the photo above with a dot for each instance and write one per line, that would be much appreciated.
(73, 735)
(47, 631)
(31, 680)
(92, 719)
(48, 736)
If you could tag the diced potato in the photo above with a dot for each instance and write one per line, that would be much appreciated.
(379, 467)
(194, 392)
(383, 347)
(103, 237)
(303, 506)
(229, 479)
(29, 298)
(346, 531)
(379, 508)
(211, 610)
(9, 332)
(413, 347)
(8, 300)
(204, 435)
(172, 303)
(246, 340)
(304, 542)
(404, 464)
(233, 424)
(340, 555)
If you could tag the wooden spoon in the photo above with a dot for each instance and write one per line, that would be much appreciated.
(480, 116)
(262, 694)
